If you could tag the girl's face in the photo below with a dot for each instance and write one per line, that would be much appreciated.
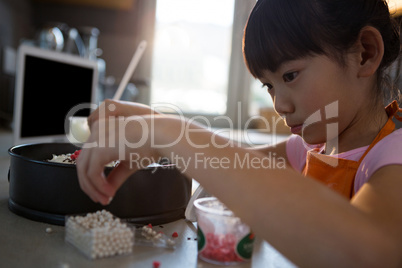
(317, 97)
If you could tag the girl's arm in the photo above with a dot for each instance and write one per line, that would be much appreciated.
(275, 151)
(115, 108)
(302, 218)
(309, 223)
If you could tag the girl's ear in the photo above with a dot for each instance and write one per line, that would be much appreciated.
(371, 51)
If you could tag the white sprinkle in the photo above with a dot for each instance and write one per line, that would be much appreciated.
(100, 234)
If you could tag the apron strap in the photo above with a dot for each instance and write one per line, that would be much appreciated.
(393, 109)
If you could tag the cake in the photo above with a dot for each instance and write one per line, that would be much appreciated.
(71, 158)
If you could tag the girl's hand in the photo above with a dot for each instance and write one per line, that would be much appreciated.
(113, 139)
(114, 108)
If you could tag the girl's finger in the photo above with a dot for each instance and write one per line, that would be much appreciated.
(95, 174)
(82, 166)
(90, 174)
(119, 175)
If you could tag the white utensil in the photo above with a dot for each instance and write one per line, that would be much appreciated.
(79, 129)
(130, 69)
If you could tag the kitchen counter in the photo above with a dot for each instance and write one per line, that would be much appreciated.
(26, 243)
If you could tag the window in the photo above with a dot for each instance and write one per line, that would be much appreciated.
(198, 63)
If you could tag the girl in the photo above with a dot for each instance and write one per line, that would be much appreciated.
(337, 203)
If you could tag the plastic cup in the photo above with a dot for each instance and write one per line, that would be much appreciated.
(222, 238)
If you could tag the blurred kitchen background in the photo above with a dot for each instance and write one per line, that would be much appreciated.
(110, 29)
(193, 60)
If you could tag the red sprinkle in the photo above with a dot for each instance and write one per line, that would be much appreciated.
(75, 155)
(175, 234)
(221, 247)
(149, 225)
(156, 264)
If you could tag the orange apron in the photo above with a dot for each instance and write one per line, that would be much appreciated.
(339, 174)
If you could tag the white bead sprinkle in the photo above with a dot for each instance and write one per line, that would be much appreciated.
(99, 234)
(170, 242)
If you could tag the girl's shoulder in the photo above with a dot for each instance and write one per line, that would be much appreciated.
(387, 151)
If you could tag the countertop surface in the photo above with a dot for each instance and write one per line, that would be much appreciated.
(26, 243)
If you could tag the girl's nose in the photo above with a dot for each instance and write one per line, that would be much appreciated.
(283, 104)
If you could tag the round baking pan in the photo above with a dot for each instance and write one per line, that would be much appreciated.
(46, 191)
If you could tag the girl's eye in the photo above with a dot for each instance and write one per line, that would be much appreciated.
(268, 86)
(289, 77)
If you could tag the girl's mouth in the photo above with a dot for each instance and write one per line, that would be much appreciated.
(296, 129)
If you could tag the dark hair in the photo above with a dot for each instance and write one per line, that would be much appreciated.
(282, 30)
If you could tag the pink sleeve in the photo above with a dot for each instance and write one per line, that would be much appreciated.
(296, 152)
(388, 151)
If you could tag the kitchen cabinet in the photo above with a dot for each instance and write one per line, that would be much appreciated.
(114, 4)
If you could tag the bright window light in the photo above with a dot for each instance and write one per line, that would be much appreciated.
(192, 47)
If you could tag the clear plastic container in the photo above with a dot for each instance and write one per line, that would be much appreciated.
(99, 235)
(222, 237)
